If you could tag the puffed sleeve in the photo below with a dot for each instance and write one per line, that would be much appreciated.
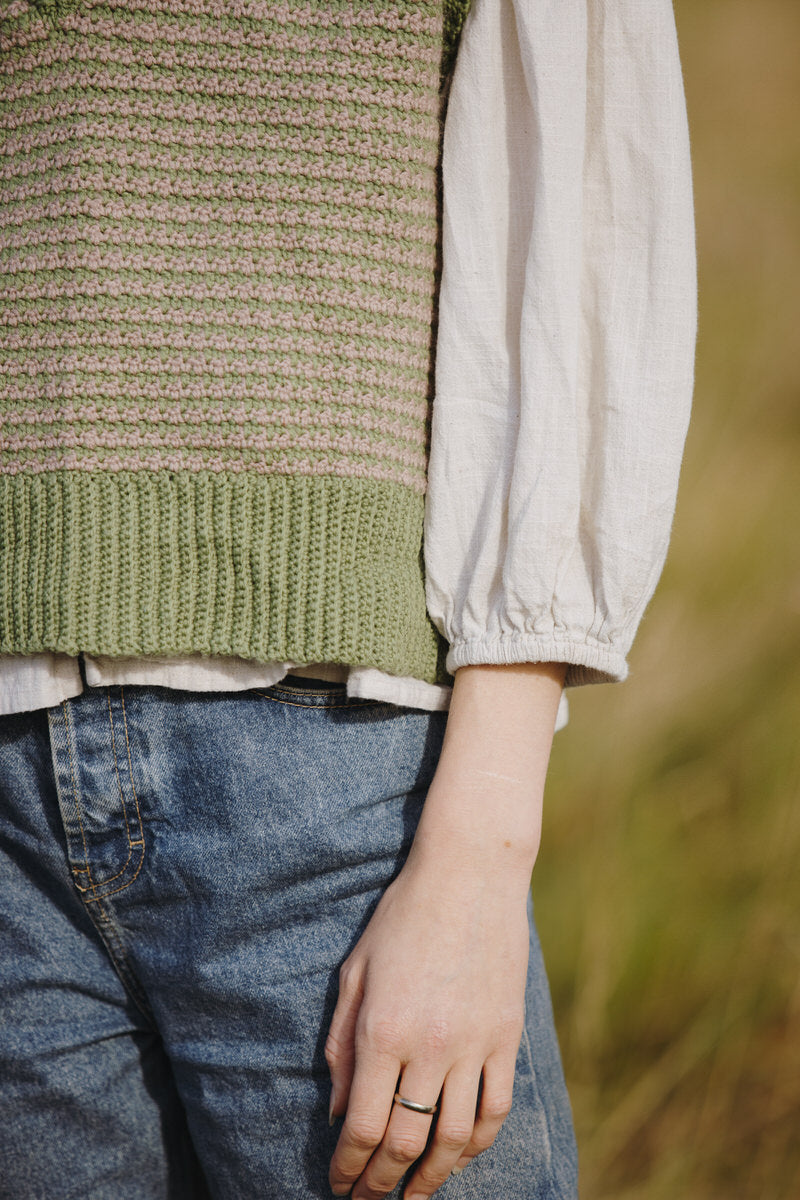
(565, 344)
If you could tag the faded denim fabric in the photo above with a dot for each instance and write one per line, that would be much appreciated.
(181, 876)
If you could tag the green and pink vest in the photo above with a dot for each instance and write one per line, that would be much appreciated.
(219, 261)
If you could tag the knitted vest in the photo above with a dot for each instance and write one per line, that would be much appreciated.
(219, 259)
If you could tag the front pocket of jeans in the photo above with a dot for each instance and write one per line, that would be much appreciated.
(311, 685)
(315, 694)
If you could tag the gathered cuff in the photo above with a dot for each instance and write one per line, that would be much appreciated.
(587, 662)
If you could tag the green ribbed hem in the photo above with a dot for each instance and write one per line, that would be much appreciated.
(265, 567)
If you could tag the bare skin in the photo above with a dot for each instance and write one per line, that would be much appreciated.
(433, 992)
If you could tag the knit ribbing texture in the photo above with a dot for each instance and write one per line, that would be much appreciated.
(219, 257)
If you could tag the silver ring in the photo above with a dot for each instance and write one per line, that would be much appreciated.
(426, 1109)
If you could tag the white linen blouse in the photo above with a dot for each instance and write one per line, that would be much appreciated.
(564, 359)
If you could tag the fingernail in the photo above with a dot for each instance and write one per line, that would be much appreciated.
(331, 1117)
(457, 1170)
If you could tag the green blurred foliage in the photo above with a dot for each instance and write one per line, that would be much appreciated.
(668, 886)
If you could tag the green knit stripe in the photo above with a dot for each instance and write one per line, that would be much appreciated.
(266, 567)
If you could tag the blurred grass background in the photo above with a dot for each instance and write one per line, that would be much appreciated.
(668, 887)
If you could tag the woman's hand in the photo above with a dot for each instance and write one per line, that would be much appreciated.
(431, 999)
(432, 995)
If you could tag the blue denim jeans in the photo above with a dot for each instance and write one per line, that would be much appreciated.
(181, 876)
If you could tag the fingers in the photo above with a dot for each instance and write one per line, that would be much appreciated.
(454, 1129)
(368, 1111)
(405, 1135)
(381, 1140)
(495, 1105)
(340, 1043)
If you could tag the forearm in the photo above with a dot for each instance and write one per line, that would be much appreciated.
(434, 990)
(483, 807)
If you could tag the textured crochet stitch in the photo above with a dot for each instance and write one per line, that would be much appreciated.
(219, 239)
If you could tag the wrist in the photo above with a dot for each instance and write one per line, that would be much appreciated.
(465, 885)
(501, 722)
(483, 810)
(479, 831)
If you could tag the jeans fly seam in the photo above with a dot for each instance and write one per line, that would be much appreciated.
(140, 841)
(131, 844)
(116, 766)
(92, 886)
(124, 867)
(85, 870)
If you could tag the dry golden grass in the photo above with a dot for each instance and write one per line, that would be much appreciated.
(668, 888)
